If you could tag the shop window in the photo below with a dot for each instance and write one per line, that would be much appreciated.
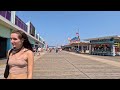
(8, 16)
(3, 13)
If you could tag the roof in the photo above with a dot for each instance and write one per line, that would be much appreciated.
(75, 39)
(106, 37)
(76, 44)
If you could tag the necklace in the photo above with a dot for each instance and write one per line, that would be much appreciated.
(15, 50)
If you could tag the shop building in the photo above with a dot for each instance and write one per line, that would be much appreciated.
(76, 46)
(9, 22)
(106, 46)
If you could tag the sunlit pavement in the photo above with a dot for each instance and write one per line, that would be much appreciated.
(68, 65)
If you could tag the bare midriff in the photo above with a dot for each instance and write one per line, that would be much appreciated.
(17, 76)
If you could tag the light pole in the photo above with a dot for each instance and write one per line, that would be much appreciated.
(78, 39)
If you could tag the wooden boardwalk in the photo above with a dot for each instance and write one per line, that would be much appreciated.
(64, 65)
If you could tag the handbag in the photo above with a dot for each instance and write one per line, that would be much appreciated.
(6, 72)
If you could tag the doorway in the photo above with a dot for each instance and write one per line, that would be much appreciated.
(3, 47)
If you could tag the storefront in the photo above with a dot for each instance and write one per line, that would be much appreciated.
(9, 22)
(3, 46)
(81, 47)
(4, 41)
(106, 46)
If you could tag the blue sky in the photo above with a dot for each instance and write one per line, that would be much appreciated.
(56, 26)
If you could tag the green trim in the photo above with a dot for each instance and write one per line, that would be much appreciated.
(4, 32)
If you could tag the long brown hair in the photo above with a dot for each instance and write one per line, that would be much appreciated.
(26, 42)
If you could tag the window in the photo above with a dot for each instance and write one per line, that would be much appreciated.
(6, 14)
(32, 30)
(2, 13)
(20, 23)
(36, 36)
(16, 21)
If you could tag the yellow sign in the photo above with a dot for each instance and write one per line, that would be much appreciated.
(116, 44)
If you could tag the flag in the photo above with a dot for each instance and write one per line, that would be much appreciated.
(77, 34)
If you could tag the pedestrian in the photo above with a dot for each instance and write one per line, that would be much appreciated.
(34, 50)
(56, 50)
(50, 50)
(39, 50)
(21, 58)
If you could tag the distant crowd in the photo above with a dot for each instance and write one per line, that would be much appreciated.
(38, 50)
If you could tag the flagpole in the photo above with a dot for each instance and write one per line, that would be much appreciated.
(78, 39)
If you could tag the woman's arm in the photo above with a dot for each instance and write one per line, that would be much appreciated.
(30, 64)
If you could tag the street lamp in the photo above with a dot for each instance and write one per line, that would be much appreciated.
(78, 38)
